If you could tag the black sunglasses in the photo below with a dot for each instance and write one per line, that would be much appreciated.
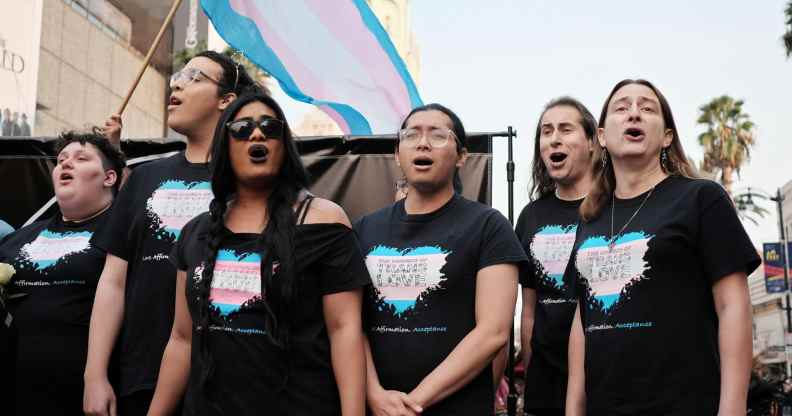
(242, 129)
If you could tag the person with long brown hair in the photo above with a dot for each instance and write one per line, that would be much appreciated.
(564, 162)
(659, 266)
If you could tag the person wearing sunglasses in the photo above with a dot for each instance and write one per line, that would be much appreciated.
(444, 281)
(268, 305)
(134, 298)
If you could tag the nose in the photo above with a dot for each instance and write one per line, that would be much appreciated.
(257, 134)
(634, 113)
(67, 163)
(423, 141)
(555, 138)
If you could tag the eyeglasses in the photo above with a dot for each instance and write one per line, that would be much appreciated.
(437, 137)
(189, 75)
(242, 129)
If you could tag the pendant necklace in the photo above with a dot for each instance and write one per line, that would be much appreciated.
(613, 238)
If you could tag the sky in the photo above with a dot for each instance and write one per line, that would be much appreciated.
(497, 63)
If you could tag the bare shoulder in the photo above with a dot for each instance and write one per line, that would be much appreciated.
(325, 211)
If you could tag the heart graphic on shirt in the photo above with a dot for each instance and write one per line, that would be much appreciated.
(50, 248)
(608, 271)
(174, 203)
(236, 280)
(401, 276)
(550, 248)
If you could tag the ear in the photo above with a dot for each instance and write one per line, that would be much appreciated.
(396, 156)
(226, 101)
(601, 136)
(110, 178)
(463, 155)
(668, 138)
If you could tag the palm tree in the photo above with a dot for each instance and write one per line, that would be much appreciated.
(728, 140)
(787, 38)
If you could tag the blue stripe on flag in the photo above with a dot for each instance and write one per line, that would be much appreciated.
(370, 19)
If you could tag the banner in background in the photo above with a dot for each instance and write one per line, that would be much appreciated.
(774, 267)
(20, 35)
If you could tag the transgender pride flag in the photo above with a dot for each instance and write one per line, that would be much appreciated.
(333, 54)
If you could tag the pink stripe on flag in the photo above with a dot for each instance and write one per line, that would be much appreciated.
(303, 76)
(342, 124)
(365, 48)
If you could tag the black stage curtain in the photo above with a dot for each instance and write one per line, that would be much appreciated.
(357, 172)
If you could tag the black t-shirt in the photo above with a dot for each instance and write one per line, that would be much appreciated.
(251, 374)
(422, 303)
(546, 228)
(647, 308)
(156, 202)
(57, 270)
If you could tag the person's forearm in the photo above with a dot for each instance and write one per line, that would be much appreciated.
(526, 332)
(576, 384)
(173, 375)
(372, 379)
(734, 342)
(349, 365)
(465, 362)
(106, 319)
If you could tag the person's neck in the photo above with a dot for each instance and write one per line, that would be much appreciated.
(575, 190)
(199, 145)
(418, 202)
(636, 177)
(85, 212)
(248, 211)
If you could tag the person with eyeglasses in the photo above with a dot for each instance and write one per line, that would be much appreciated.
(134, 306)
(444, 281)
(268, 305)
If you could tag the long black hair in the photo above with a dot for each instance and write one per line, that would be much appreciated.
(276, 242)
(543, 184)
(456, 126)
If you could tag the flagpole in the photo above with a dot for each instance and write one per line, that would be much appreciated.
(168, 18)
(511, 401)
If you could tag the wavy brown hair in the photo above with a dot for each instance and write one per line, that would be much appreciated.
(542, 183)
(605, 180)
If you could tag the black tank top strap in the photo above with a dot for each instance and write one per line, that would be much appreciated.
(302, 209)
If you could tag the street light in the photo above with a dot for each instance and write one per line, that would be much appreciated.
(744, 201)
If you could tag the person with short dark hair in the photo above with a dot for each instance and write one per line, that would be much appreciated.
(134, 299)
(563, 165)
(57, 270)
(444, 272)
(659, 267)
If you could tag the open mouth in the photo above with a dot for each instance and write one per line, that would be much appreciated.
(258, 153)
(634, 132)
(66, 177)
(173, 102)
(558, 157)
(423, 162)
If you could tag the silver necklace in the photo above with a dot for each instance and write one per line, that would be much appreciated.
(613, 238)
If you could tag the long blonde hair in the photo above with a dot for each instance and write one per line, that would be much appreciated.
(605, 180)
